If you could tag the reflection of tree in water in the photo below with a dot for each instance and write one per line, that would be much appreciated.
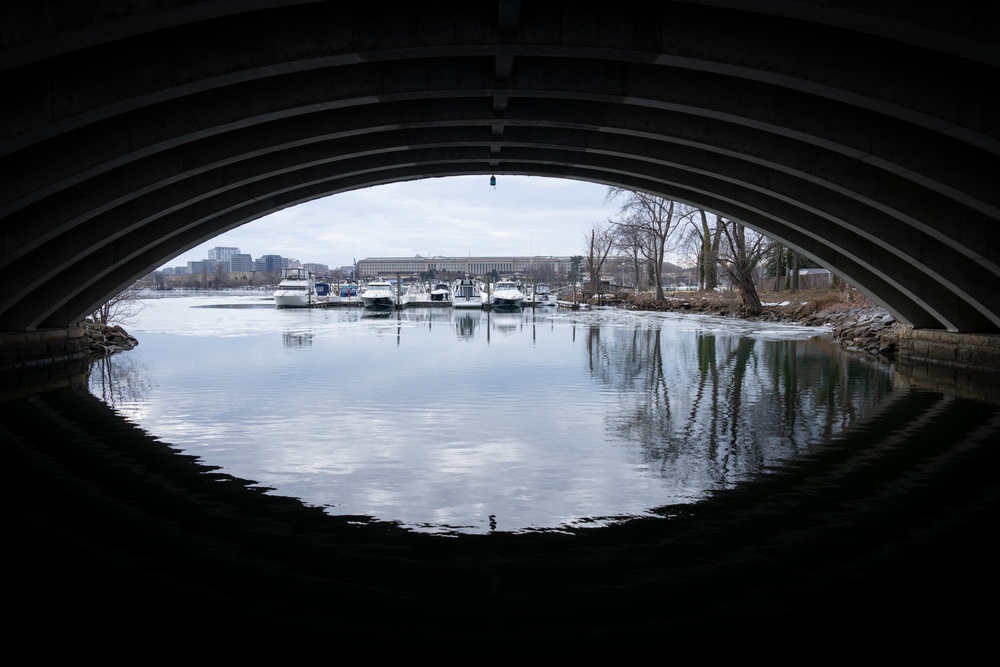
(709, 411)
(119, 380)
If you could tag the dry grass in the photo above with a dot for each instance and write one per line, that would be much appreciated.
(782, 305)
(809, 302)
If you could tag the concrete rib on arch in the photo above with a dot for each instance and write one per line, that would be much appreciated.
(867, 139)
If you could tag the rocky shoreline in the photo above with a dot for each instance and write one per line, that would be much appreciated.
(855, 323)
(872, 330)
(105, 339)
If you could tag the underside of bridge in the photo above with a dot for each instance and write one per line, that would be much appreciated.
(864, 135)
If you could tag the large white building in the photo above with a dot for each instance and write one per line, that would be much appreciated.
(222, 254)
(473, 266)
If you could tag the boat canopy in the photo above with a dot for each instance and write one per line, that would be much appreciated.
(296, 274)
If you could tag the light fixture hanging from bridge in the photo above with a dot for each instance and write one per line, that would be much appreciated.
(493, 181)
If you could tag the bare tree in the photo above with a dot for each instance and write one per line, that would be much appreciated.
(599, 244)
(159, 279)
(653, 219)
(779, 264)
(575, 270)
(740, 256)
(220, 274)
(122, 308)
(629, 241)
(544, 273)
(708, 250)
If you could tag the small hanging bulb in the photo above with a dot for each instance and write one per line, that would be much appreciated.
(493, 182)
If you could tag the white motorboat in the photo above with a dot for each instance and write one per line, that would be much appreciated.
(542, 295)
(349, 293)
(467, 294)
(441, 293)
(299, 289)
(379, 295)
(506, 294)
(411, 294)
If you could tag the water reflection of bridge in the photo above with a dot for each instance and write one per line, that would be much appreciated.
(882, 539)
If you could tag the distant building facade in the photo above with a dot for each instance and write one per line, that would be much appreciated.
(318, 269)
(241, 263)
(206, 267)
(270, 264)
(221, 254)
(231, 260)
(371, 267)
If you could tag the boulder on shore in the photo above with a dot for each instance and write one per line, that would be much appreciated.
(105, 339)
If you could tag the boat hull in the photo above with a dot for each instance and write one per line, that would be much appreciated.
(291, 301)
(379, 303)
(379, 295)
(506, 303)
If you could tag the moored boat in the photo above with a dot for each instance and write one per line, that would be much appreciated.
(379, 295)
(299, 289)
(441, 293)
(467, 294)
(349, 294)
(541, 295)
(410, 294)
(506, 294)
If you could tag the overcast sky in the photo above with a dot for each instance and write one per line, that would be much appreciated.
(455, 216)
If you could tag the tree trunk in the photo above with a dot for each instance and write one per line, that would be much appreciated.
(708, 256)
(748, 292)
(713, 268)
(778, 250)
(592, 262)
(741, 267)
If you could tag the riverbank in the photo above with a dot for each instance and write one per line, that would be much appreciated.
(856, 322)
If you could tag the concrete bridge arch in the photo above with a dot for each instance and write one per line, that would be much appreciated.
(867, 138)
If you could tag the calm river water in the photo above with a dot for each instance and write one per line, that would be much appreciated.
(456, 421)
